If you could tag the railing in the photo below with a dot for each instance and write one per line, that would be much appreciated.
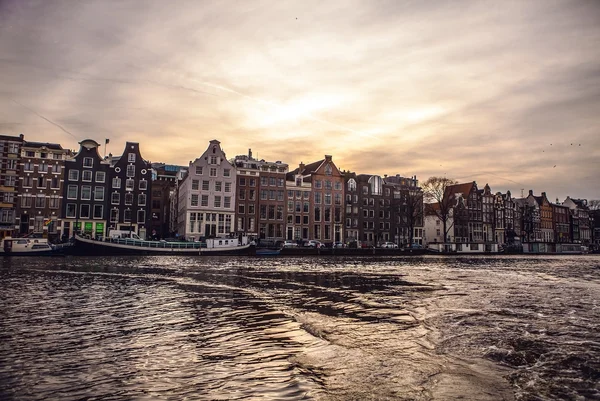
(156, 244)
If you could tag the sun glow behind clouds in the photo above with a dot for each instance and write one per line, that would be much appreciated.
(309, 106)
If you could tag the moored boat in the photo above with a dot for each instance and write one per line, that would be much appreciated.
(137, 246)
(27, 247)
(267, 252)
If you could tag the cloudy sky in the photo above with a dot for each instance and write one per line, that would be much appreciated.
(489, 91)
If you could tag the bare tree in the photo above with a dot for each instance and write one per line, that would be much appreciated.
(439, 201)
(594, 204)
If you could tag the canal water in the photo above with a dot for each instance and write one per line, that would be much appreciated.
(312, 328)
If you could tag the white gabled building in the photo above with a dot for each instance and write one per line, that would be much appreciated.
(206, 196)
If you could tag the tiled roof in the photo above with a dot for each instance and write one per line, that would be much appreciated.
(312, 167)
(459, 189)
(54, 146)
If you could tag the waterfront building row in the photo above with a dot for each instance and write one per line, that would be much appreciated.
(51, 191)
(483, 220)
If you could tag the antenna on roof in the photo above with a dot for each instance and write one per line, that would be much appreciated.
(522, 189)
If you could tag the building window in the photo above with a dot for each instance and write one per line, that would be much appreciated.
(10, 180)
(218, 186)
(72, 192)
(114, 215)
(213, 172)
(88, 162)
(71, 210)
(129, 198)
(131, 157)
(227, 202)
(130, 170)
(242, 181)
(241, 209)
(195, 185)
(56, 169)
(198, 170)
(98, 193)
(142, 200)
(28, 166)
(98, 211)
(213, 160)
(227, 172)
(129, 184)
(41, 182)
(116, 182)
(27, 181)
(84, 211)
(141, 216)
(217, 201)
(227, 187)
(86, 192)
(205, 185)
(127, 216)
(26, 200)
(73, 175)
(204, 200)
(115, 198)
(100, 176)
(54, 201)
(86, 175)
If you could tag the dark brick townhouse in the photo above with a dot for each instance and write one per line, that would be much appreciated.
(130, 190)
(85, 192)
(41, 182)
(10, 154)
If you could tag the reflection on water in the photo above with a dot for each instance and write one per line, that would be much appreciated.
(429, 328)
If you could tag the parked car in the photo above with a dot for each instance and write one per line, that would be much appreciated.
(339, 245)
(414, 246)
(314, 244)
(290, 244)
(389, 245)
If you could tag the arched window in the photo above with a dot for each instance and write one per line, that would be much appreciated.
(351, 185)
(376, 184)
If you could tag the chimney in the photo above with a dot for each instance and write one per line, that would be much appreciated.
(249, 153)
(328, 158)
(301, 168)
(531, 192)
(543, 194)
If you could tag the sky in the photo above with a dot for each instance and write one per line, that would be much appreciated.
(505, 93)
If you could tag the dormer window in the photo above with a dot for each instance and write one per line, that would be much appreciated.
(213, 159)
(298, 181)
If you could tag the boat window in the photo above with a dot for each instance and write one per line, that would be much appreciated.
(40, 246)
(22, 241)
